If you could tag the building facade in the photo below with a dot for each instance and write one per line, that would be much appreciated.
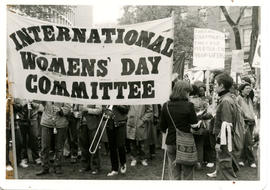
(80, 16)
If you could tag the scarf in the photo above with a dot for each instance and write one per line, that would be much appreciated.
(224, 140)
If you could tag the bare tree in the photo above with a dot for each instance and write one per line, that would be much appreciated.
(254, 33)
(234, 24)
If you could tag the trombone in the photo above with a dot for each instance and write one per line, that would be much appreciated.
(105, 118)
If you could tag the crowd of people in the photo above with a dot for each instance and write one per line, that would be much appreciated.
(217, 129)
(200, 129)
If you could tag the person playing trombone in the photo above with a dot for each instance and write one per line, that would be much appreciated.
(116, 132)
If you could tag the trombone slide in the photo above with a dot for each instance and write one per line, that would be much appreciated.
(98, 135)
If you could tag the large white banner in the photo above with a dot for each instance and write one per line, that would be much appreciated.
(117, 65)
(208, 49)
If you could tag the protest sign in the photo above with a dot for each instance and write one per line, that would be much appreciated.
(117, 65)
(237, 61)
(208, 49)
(246, 69)
(257, 55)
(194, 75)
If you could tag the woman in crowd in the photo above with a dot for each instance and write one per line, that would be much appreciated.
(209, 155)
(139, 119)
(200, 106)
(152, 132)
(28, 112)
(89, 123)
(72, 133)
(183, 114)
(53, 122)
(116, 132)
(245, 101)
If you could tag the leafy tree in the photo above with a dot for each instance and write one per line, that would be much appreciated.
(183, 27)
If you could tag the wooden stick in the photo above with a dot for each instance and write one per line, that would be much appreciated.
(13, 140)
(164, 164)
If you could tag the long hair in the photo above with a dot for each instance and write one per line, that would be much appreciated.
(180, 90)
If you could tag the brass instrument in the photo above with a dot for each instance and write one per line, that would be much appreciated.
(97, 138)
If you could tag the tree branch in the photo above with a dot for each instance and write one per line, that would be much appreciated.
(227, 17)
(240, 15)
(254, 34)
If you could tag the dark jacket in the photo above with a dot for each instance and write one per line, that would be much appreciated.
(119, 116)
(120, 113)
(183, 114)
(91, 116)
(225, 111)
(26, 110)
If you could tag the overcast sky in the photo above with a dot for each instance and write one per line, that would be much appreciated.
(106, 14)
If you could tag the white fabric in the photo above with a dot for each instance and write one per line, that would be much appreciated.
(224, 139)
(112, 52)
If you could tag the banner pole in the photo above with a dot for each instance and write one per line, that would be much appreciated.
(172, 15)
(258, 78)
(164, 147)
(13, 135)
(164, 136)
(236, 78)
(207, 73)
(164, 164)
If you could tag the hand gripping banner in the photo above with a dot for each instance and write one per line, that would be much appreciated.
(129, 64)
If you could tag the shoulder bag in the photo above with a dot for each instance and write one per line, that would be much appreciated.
(186, 152)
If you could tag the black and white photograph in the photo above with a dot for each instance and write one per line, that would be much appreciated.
(133, 92)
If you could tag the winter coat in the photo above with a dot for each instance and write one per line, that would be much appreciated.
(120, 113)
(139, 119)
(247, 107)
(152, 129)
(226, 109)
(26, 111)
(55, 115)
(91, 115)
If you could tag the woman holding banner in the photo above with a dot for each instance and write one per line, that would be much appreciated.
(53, 122)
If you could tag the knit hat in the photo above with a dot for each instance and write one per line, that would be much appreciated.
(242, 86)
(246, 79)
